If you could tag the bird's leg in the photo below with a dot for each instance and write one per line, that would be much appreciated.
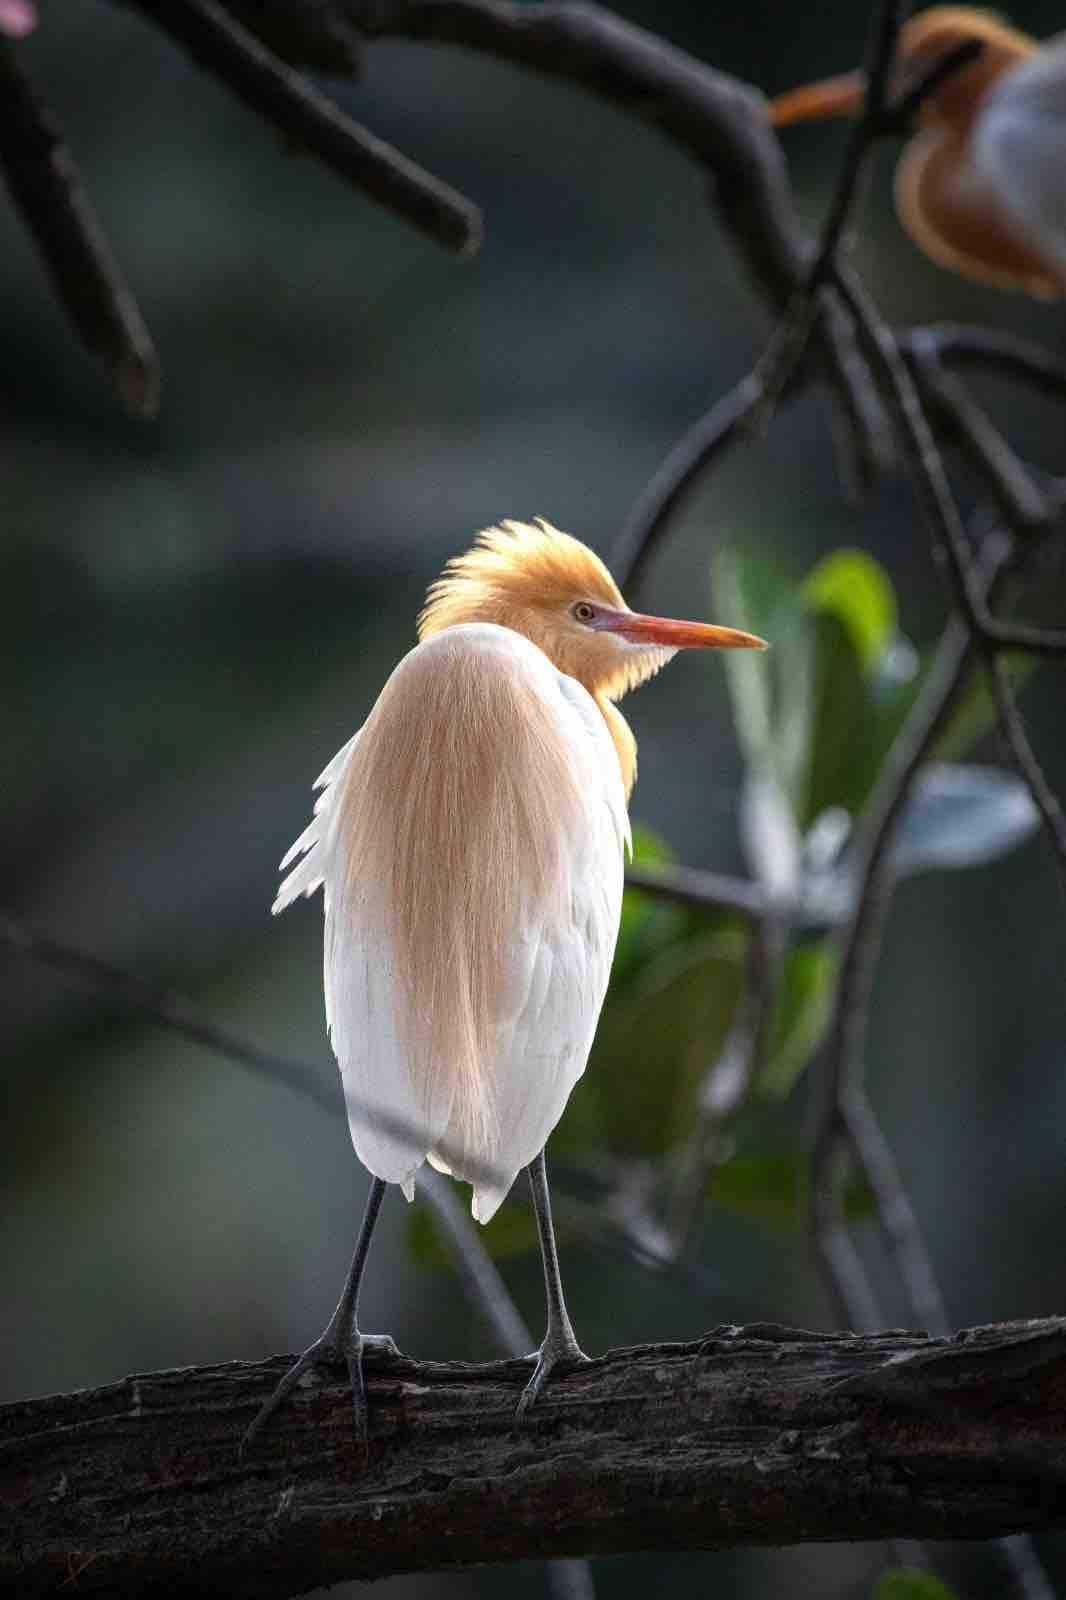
(341, 1339)
(560, 1347)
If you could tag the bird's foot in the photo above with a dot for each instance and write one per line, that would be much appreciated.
(333, 1348)
(559, 1352)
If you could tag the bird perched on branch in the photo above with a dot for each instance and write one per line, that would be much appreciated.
(981, 187)
(469, 842)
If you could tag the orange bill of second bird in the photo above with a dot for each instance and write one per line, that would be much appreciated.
(469, 841)
(981, 185)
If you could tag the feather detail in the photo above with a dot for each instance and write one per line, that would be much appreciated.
(470, 843)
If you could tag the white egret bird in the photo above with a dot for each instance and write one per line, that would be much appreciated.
(981, 187)
(469, 842)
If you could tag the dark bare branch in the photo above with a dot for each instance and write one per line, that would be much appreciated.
(284, 98)
(1025, 507)
(695, 453)
(840, 1065)
(690, 886)
(1021, 751)
(47, 190)
(990, 350)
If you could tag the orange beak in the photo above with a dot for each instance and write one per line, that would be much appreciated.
(676, 635)
(832, 97)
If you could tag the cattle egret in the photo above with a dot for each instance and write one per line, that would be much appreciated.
(981, 187)
(469, 842)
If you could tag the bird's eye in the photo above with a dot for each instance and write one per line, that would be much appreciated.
(583, 611)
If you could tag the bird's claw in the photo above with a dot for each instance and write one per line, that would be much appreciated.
(331, 1349)
(555, 1354)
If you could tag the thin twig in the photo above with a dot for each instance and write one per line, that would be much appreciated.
(476, 1267)
(568, 1579)
(898, 118)
(171, 1011)
(1024, 757)
(723, 426)
(730, 1078)
(841, 1057)
(926, 470)
(990, 350)
(889, 18)
(895, 1215)
(1024, 506)
(177, 1015)
(47, 190)
(950, 544)
(691, 886)
(792, 335)
(219, 44)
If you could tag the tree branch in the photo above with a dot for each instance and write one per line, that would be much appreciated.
(759, 1435)
(223, 47)
(46, 188)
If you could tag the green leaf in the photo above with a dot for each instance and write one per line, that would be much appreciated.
(752, 594)
(656, 1039)
(960, 816)
(801, 1015)
(817, 715)
(851, 585)
(911, 1583)
(773, 1188)
(763, 1188)
(837, 766)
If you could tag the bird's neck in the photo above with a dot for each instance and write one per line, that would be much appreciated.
(622, 738)
(961, 100)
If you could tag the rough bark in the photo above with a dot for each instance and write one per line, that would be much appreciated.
(757, 1435)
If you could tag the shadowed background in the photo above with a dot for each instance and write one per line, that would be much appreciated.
(200, 612)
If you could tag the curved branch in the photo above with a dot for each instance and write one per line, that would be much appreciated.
(760, 1435)
(46, 188)
(223, 47)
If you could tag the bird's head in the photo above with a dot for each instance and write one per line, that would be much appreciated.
(558, 593)
(924, 41)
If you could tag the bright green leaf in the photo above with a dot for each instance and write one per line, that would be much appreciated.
(852, 586)
(911, 1583)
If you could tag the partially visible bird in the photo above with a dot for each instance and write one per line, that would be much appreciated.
(469, 840)
(981, 187)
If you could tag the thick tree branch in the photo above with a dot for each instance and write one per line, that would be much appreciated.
(760, 1435)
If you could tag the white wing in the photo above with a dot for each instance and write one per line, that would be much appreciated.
(551, 955)
(1019, 146)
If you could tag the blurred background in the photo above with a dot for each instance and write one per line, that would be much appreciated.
(201, 610)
